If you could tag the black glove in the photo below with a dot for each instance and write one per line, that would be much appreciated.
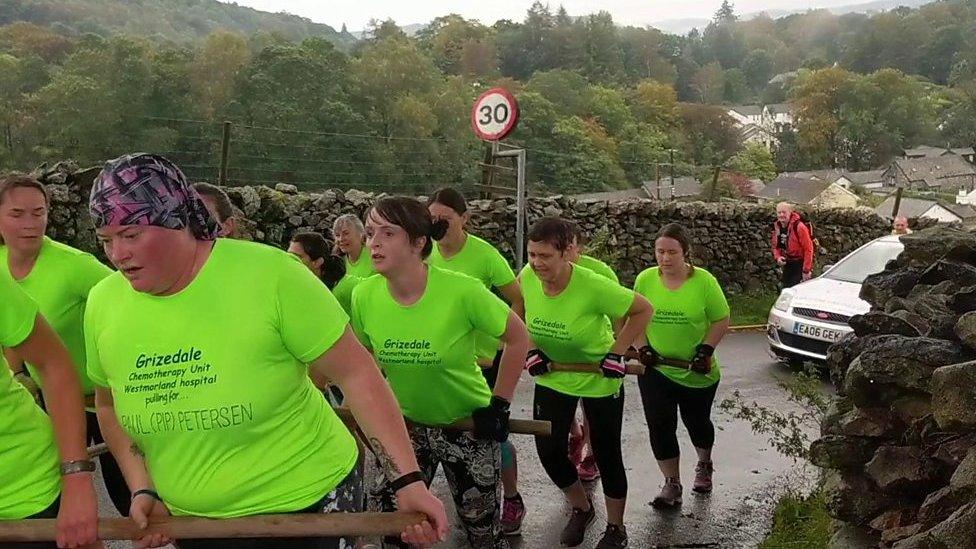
(648, 356)
(537, 363)
(491, 422)
(702, 361)
(613, 366)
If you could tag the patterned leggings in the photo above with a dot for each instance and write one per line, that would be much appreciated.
(472, 468)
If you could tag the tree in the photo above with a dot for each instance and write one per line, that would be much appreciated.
(216, 68)
(655, 104)
(709, 84)
(725, 13)
(710, 136)
(754, 161)
(757, 68)
(735, 90)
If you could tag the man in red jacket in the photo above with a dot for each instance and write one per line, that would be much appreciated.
(792, 246)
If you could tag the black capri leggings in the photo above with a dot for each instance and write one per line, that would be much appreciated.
(606, 419)
(662, 398)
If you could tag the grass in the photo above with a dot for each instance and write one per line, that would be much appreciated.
(800, 523)
(749, 309)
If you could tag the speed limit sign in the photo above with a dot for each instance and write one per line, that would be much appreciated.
(495, 114)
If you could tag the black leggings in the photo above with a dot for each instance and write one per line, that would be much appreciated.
(115, 484)
(606, 419)
(662, 399)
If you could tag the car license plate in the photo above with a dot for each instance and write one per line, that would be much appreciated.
(816, 332)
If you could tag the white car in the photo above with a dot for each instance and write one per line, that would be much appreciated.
(809, 317)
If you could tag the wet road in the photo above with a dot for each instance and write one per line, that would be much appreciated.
(749, 473)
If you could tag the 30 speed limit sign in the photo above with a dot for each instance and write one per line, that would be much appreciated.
(495, 114)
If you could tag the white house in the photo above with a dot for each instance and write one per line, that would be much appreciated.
(966, 198)
(747, 114)
(778, 117)
(914, 208)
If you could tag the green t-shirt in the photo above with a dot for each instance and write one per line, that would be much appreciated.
(572, 327)
(29, 476)
(343, 291)
(59, 283)
(362, 268)
(597, 267)
(681, 320)
(212, 382)
(483, 261)
(427, 349)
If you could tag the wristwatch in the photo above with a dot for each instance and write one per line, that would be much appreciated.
(77, 466)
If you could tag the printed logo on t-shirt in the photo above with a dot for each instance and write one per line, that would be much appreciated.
(670, 316)
(549, 328)
(403, 352)
(162, 380)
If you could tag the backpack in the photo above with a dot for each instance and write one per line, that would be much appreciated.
(817, 248)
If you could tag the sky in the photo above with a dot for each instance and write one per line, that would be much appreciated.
(357, 13)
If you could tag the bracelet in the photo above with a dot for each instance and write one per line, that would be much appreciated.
(77, 466)
(407, 480)
(148, 492)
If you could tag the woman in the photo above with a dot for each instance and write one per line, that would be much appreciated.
(696, 317)
(220, 207)
(32, 486)
(218, 423)
(316, 253)
(420, 322)
(580, 449)
(58, 278)
(465, 253)
(350, 237)
(566, 310)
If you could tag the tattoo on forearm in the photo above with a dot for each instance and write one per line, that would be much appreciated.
(386, 462)
(136, 451)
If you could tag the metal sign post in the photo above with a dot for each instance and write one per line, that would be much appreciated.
(495, 115)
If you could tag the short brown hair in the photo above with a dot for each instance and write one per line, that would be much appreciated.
(413, 217)
(555, 231)
(12, 181)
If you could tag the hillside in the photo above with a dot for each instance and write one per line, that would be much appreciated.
(176, 20)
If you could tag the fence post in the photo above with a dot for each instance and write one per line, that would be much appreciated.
(224, 151)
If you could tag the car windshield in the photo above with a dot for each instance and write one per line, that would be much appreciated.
(865, 261)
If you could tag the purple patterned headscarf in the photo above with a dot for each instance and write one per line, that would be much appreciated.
(147, 189)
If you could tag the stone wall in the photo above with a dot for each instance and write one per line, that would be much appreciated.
(731, 239)
(900, 439)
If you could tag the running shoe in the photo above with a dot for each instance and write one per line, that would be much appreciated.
(513, 511)
(575, 529)
(615, 537)
(703, 477)
(670, 495)
(587, 469)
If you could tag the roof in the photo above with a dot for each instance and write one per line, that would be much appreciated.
(964, 211)
(963, 151)
(747, 110)
(624, 194)
(865, 178)
(909, 207)
(684, 186)
(829, 175)
(777, 108)
(924, 151)
(931, 170)
(793, 189)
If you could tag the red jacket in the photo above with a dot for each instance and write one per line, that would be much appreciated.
(799, 245)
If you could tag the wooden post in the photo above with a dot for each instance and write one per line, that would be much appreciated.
(894, 209)
(260, 526)
(224, 153)
(632, 368)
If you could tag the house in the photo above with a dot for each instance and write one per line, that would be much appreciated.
(830, 176)
(914, 208)
(966, 198)
(747, 114)
(871, 179)
(948, 173)
(926, 151)
(807, 191)
(778, 117)
(684, 187)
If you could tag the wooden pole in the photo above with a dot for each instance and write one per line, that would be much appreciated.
(894, 209)
(515, 426)
(632, 368)
(260, 526)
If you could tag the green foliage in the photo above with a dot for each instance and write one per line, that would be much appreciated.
(799, 521)
(750, 309)
(754, 161)
(602, 246)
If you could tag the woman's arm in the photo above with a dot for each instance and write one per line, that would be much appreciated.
(78, 514)
(513, 294)
(517, 343)
(635, 322)
(717, 331)
(367, 394)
